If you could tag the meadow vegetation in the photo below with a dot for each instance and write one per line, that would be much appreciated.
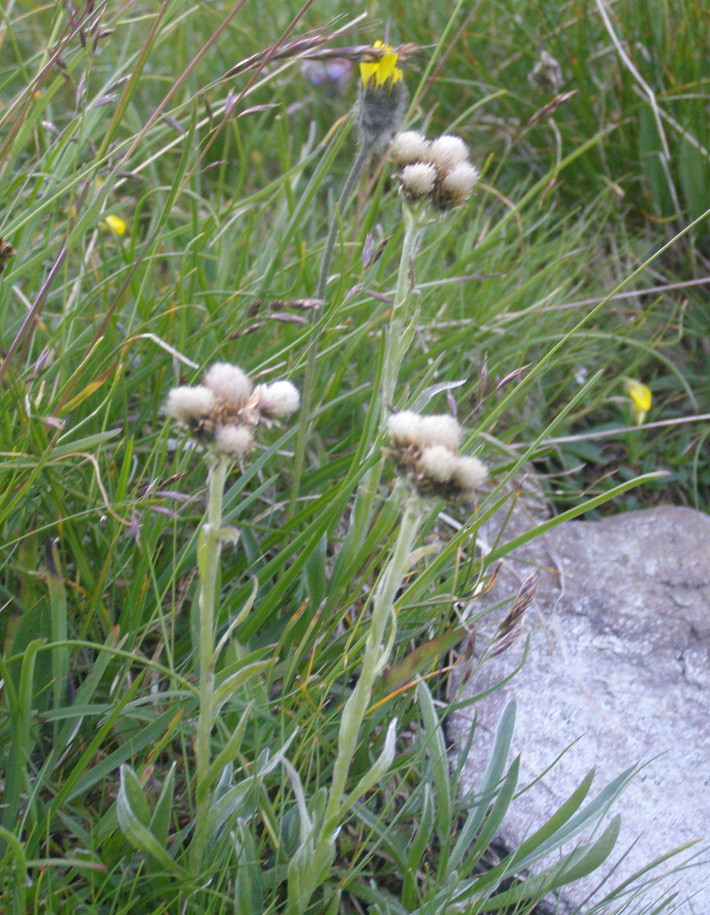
(169, 174)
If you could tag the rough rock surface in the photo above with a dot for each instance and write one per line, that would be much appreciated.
(618, 673)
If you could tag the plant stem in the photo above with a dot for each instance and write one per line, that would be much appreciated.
(374, 660)
(208, 554)
(396, 343)
(399, 337)
(312, 355)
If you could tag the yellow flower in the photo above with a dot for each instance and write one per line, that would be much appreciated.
(114, 224)
(383, 70)
(641, 399)
(381, 102)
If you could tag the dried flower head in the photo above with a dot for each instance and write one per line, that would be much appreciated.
(409, 146)
(447, 151)
(424, 450)
(382, 98)
(438, 463)
(235, 441)
(278, 399)
(437, 172)
(226, 409)
(189, 404)
(417, 181)
(456, 186)
(469, 473)
(229, 383)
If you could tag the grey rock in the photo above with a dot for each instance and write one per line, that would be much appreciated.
(617, 673)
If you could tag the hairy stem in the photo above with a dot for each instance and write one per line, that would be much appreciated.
(375, 658)
(208, 555)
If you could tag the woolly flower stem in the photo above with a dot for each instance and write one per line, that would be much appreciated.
(208, 554)
(399, 337)
(375, 658)
(396, 343)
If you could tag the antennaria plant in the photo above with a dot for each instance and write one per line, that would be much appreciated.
(226, 649)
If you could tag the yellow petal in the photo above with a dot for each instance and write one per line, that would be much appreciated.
(641, 398)
(115, 224)
(383, 70)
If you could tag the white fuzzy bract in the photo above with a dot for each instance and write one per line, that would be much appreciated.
(446, 152)
(404, 428)
(235, 441)
(409, 146)
(229, 383)
(278, 398)
(460, 182)
(440, 429)
(417, 181)
(186, 403)
(438, 463)
(469, 473)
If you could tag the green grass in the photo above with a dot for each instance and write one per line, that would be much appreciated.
(577, 264)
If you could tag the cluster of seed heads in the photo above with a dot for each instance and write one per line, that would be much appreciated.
(438, 171)
(224, 410)
(425, 451)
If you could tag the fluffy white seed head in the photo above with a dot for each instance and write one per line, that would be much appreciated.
(404, 428)
(417, 181)
(469, 473)
(409, 146)
(278, 399)
(189, 403)
(439, 429)
(229, 383)
(438, 463)
(236, 441)
(446, 152)
(459, 183)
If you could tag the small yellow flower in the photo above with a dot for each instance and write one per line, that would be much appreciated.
(383, 70)
(114, 224)
(641, 399)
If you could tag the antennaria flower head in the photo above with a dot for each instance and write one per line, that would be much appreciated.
(425, 451)
(447, 151)
(186, 404)
(381, 100)
(437, 172)
(278, 399)
(409, 146)
(235, 441)
(417, 181)
(229, 383)
(456, 186)
(226, 409)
